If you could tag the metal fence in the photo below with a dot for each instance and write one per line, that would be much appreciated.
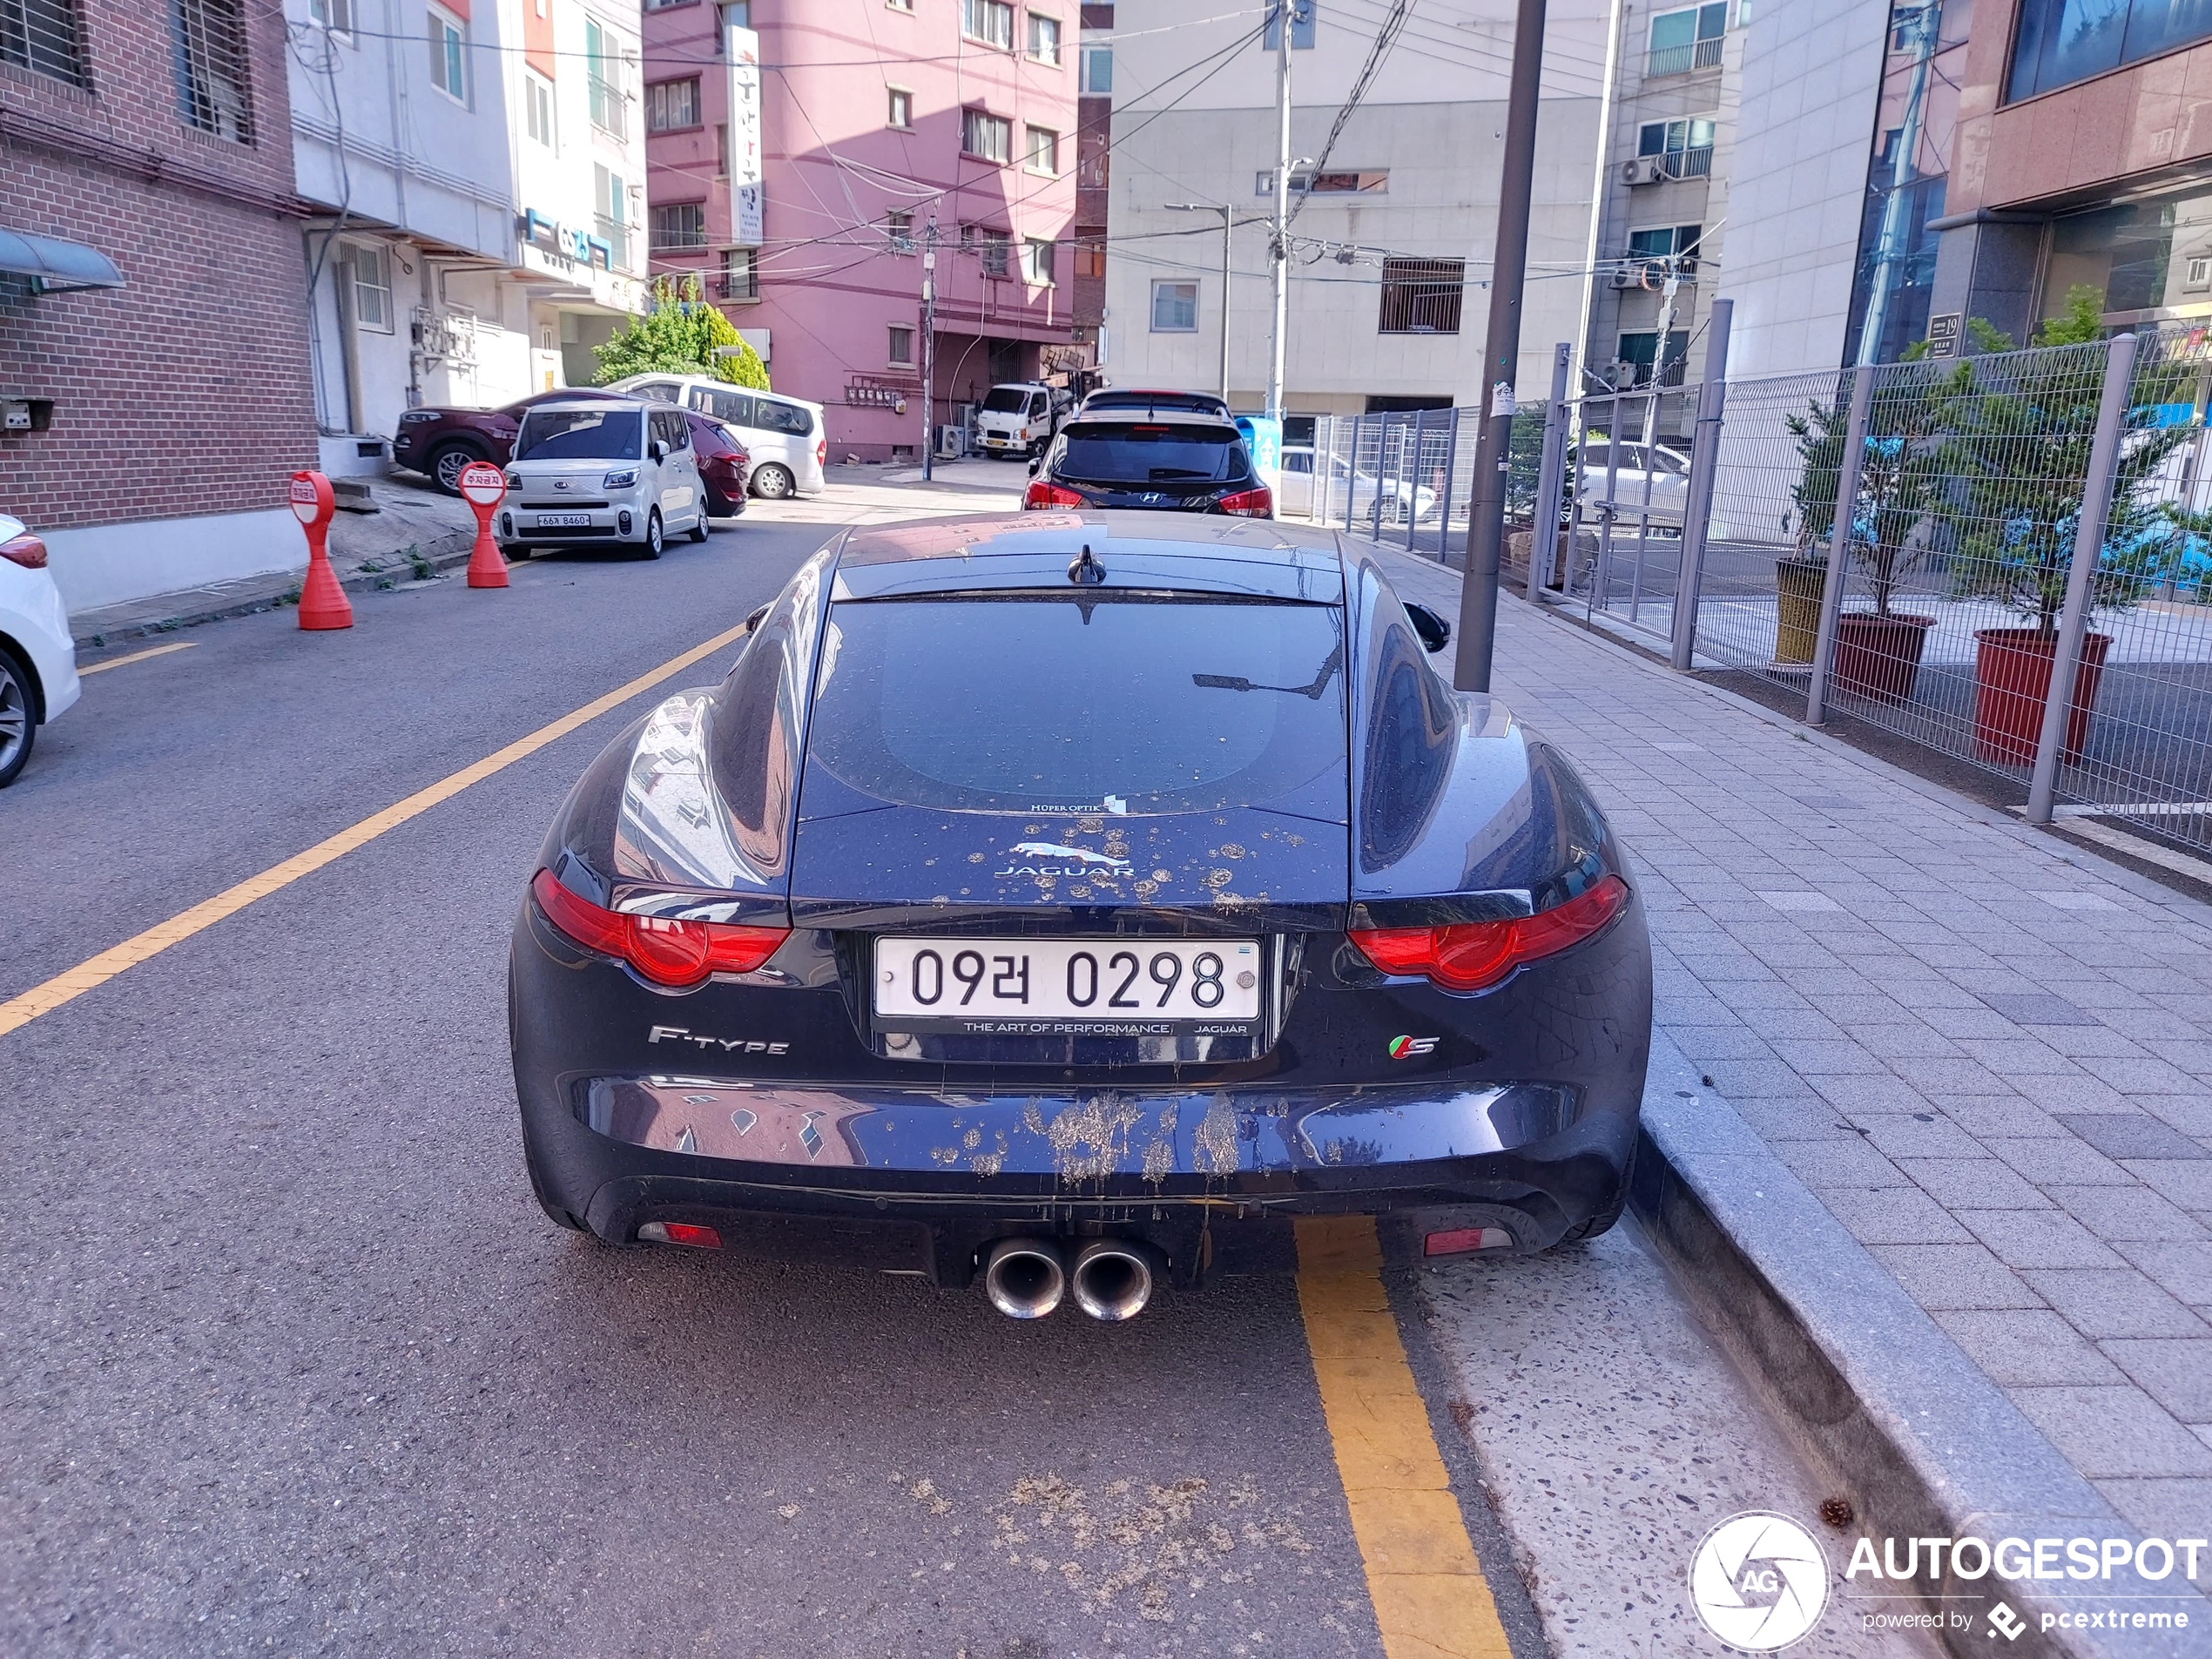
(1405, 478)
(1996, 514)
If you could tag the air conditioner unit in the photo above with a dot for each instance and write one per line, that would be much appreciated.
(1622, 372)
(1628, 277)
(952, 443)
(1644, 169)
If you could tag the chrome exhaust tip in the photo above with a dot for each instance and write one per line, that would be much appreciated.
(1023, 1278)
(1113, 1278)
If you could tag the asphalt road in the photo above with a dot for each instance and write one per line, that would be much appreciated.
(291, 1363)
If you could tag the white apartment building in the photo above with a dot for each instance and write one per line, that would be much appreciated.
(1392, 234)
(480, 170)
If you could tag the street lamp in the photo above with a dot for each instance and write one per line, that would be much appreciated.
(1228, 217)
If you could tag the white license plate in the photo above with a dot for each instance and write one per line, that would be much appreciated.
(563, 522)
(1146, 979)
(996, 443)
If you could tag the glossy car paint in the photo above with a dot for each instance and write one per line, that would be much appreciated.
(426, 434)
(34, 628)
(773, 1107)
(723, 464)
(1195, 496)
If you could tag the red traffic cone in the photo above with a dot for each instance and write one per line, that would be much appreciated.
(323, 602)
(484, 486)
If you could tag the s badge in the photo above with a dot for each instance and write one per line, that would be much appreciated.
(1407, 1047)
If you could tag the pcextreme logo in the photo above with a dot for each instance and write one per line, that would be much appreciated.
(1407, 1047)
(1758, 1581)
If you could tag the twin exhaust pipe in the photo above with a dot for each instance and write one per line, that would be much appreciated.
(1112, 1278)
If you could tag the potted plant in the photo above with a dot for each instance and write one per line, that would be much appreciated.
(2023, 426)
(1800, 577)
(1903, 488)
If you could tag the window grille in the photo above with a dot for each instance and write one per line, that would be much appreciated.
(46, 36)
(213, 92)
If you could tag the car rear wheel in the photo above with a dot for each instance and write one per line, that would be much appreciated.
(19, 717)
(774, 482)
(698, 525)
(655, 538)
(445, 462)
(1602, 1222)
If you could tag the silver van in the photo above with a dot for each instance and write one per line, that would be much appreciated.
(602, 470)
(785, 436)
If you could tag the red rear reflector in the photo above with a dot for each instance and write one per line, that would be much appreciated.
(26, 551)
(1043, 494)
(1250, 504)
(1470, 955)
(680, 1232)
(1463, 1239)
(664, 949)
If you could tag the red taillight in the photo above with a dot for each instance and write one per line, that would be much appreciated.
(680, 1232)
(1250, 504)
(1466, 1239)
(1042, 493)
(821, 452)
(26, 551)
(1470, 955)
(664, 949)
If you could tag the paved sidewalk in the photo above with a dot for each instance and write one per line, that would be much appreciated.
(1990, 1055)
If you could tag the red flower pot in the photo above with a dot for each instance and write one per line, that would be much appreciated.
(2012, 684)
(1878, 656)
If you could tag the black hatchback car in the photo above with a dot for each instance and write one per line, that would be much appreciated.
(1072, 901)
(1160, 461)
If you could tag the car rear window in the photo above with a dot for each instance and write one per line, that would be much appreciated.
(1198, 403)
(783, 417)
(1014, 703)
(580, 435)
(1143, 453)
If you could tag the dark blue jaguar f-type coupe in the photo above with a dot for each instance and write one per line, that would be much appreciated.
(1072, 901)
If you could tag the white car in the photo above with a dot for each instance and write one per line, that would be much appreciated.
(607, 470)
(1295, 494)
(785, 436)
(37, 658)
(1666, 470)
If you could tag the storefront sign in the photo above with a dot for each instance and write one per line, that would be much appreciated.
(744, 59)
(581, 247)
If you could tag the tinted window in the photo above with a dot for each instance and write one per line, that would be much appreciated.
(783, 417)
(1134, 452)
(734, 407)
(581, 435)
(1294, 462)
(1173, 705)
(657, 391)
(709, 439)
(1004, 399)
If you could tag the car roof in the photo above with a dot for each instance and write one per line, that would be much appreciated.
(1152, 417)
(600, 405)
(1192, 552)
(710, 382)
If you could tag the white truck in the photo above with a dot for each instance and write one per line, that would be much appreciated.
(1019, 418)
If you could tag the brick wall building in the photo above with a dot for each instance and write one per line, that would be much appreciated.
(159, 136)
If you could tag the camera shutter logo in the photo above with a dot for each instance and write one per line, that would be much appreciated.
(1759, 1581)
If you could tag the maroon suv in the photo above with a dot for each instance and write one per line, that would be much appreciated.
(441, 441)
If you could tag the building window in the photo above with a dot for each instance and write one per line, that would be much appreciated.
(721, 150)
(1640, 352)
(680, 224)
(907, 6)
(1044, 37)
(602, 78)
(672, 106)
(1044, 151)
(213, 90)
(1097, 71)
(898, 230)
(2196, 277)
(899, 110)
(988, 21)
(46, 36)
(994, 247)
(2059, 41)
(337, 16)
(1301, 25)
(1685, 146)
(611, 211)
(990, 136)
(372, 268)
(736, 13)
(1676, 243)
(901, 353)
(739, 277)
(537, 103)
(1688, 40)
(1373, 182)
(1174, 308)
(449, 54)
(1422, 296)
(667, 5)
(1036, 262)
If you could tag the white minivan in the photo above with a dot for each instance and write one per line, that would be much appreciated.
(611, 469)
(785, 436)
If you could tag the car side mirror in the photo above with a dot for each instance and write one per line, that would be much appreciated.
(1435, 632)
(660, 448)
(1036, 465)
(753, 621)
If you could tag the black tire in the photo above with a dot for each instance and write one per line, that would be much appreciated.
(698, 527)
(1602, 1222)
(18, 717)
(445, 462)
(774, 482)
(655, 538)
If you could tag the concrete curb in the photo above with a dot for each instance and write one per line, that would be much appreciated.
(1887, 1408)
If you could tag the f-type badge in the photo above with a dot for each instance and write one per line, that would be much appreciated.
(1408, 1048)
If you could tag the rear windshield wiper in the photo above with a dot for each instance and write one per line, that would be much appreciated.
(1238, 683)
(1176, 472)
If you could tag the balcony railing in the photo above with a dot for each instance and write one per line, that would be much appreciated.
(1691, 163)
(1680, 60)
(609, 111)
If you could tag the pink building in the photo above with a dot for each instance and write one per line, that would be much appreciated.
(883, 125)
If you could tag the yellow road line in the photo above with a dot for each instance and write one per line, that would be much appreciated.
(136, 656)
(19, 1011)
(1431, 1599)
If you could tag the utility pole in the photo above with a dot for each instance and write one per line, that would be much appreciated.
(1284, 12)
(1228, 218)
(1500, 357)
(929, 349)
